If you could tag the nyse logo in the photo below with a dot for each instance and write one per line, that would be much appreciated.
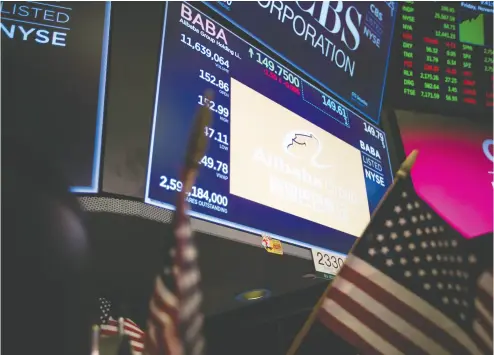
(336, 20)
(304, 146)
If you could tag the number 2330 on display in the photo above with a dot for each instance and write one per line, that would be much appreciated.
(327, 262)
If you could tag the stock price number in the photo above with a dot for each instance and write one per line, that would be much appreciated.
(217, 136)
(274, 67)
(196, 192)
(210, 78)
(374, 133)
(430, 95)
(205, 51)
(215, 165)
(219, 109)
(335, 107)
(170, 184)
(205, 195)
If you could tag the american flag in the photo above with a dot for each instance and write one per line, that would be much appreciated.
(482, 324)
(406, 287)
(109, 326)
(175, 319)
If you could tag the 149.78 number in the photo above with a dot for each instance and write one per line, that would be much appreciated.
(216, 165)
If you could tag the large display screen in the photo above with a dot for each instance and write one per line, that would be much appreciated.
(341, 45)
(54, 57)
(284, 158)
(443, 59)
(454, 168)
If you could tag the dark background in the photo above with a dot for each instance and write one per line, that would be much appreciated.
(128, 248)
(51, 93)
(132, 74)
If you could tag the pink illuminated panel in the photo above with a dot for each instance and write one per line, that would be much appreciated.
(453, 172)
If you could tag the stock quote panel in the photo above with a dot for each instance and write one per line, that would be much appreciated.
(285, 158)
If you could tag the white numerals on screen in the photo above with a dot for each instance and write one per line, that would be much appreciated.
(374, 133)
(217, 136)
(334, 106)
(216, 165)
(210, 78)
(219, 109)
(215, 57)
(170, 184)
(211, 197)
(195, 193)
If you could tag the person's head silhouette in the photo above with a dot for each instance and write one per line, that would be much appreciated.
(44, 258)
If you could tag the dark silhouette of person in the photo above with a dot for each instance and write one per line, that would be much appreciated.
(46, 296)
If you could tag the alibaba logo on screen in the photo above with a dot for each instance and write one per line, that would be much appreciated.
(304, 146)
(486, 148)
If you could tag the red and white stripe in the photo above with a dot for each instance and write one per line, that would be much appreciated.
(174, 315)
(379, 316)
(131, 329)
(162, 335)
(482, 324)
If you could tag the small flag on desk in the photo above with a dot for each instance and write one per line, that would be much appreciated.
(110, 327)
(175, 319)
(406, 286)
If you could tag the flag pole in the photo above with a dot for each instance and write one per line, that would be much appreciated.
(196, 147)
(402, 173)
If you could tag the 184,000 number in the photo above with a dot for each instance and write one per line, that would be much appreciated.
(195, 192)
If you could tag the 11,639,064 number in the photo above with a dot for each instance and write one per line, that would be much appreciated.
(215, 57)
